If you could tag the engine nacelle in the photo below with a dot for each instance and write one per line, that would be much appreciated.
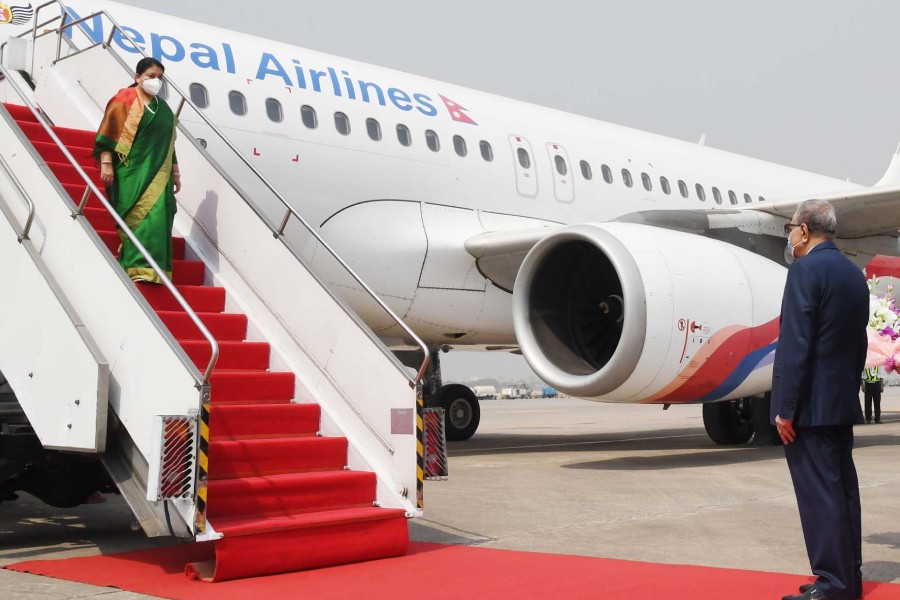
(623, 312)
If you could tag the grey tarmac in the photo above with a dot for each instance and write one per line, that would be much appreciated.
(561, 476)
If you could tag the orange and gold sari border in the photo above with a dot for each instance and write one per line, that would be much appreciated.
(146, 274)
(129, 129)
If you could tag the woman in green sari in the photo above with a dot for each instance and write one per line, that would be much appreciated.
(136, 149)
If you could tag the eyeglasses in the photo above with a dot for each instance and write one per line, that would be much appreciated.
(788, 227)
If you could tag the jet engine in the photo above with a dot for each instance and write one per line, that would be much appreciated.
(624, 312)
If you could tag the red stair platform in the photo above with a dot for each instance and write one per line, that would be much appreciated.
(278, 492)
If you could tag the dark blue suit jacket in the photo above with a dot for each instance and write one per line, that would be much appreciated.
(822, 341)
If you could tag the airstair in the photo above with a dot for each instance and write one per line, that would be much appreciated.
(241, 403)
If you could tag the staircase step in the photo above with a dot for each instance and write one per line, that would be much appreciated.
(67, 175)
(50, 152)
(258, 458)
(201, 298)
(20, 112)
(310, 541)
(222, 326)
(237, 386)
(188, 272)
(292, 493)
(189, 277)
(76, 192)
(232, 355)
(111, 240)
(246, 422)
(100, 219)
(77, 138)
(239, 526)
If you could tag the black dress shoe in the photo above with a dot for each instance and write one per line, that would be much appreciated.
(806, 587)
(811, 593)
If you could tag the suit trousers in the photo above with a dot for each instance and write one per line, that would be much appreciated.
(873, 395)
(827, 488)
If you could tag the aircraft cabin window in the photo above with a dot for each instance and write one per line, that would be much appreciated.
(747, 199)
(645, 179)
(308, 115)
(586, 170)
(342, 123)
(273, 109)
(701, 193)
(732, 197)
(374, 129)
(459, 144)
(432, 140)
(682, 187)
(524, 159)
(403, 135)
(761, 199)
(487, 153)
(626, 178)
(199, 95)
(238, 103)
(664, 184)
(607, 173)
(561, 167)
(717, 195)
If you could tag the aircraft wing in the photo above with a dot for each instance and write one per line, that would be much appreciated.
(860, 213)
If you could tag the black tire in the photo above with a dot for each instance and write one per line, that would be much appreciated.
(462, 413)
(729, 422)
(765, 434)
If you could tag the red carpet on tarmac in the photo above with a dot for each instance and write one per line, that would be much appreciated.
(434, 571)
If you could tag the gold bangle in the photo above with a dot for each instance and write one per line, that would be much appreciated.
(105, 162)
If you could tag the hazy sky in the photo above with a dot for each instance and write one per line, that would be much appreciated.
(811, 84)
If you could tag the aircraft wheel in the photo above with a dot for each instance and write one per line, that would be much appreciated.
(766, 434)
(729, 422)
(462, 413)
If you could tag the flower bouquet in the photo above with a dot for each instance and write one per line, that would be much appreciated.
(883, 330)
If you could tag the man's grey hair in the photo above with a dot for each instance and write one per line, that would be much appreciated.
(818, 216)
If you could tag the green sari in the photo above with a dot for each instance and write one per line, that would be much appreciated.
(142, 141)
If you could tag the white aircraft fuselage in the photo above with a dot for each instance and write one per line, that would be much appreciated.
(401, 172)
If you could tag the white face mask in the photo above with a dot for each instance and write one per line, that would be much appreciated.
(789, 249)
(151, 86)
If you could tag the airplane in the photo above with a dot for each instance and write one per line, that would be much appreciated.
(625, 266)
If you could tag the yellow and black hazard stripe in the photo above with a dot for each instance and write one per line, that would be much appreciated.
(420, 448)
(202, 463)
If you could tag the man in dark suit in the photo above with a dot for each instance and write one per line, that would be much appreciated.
(821, 352)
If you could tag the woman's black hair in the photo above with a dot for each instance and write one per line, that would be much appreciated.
(144, 64)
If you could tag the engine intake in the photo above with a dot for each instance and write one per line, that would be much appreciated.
(628, 312)
(578, 310)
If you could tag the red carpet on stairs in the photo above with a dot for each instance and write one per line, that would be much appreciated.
(278, 492)
(438, 572)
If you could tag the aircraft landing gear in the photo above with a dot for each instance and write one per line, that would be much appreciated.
(766, 433)
(462, 413)
(729, 422)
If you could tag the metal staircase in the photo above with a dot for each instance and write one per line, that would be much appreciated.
(241, 402)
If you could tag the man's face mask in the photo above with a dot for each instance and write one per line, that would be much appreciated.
(789, 249)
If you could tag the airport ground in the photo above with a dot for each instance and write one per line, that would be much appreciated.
(562, 476)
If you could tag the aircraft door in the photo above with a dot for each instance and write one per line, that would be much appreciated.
(562, 173)
(526, 172)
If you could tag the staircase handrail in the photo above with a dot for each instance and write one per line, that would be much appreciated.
(290, 211)
(26, 229)
(203, 379)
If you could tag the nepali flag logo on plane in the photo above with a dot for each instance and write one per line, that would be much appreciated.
(457, 112)
(15, 15)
